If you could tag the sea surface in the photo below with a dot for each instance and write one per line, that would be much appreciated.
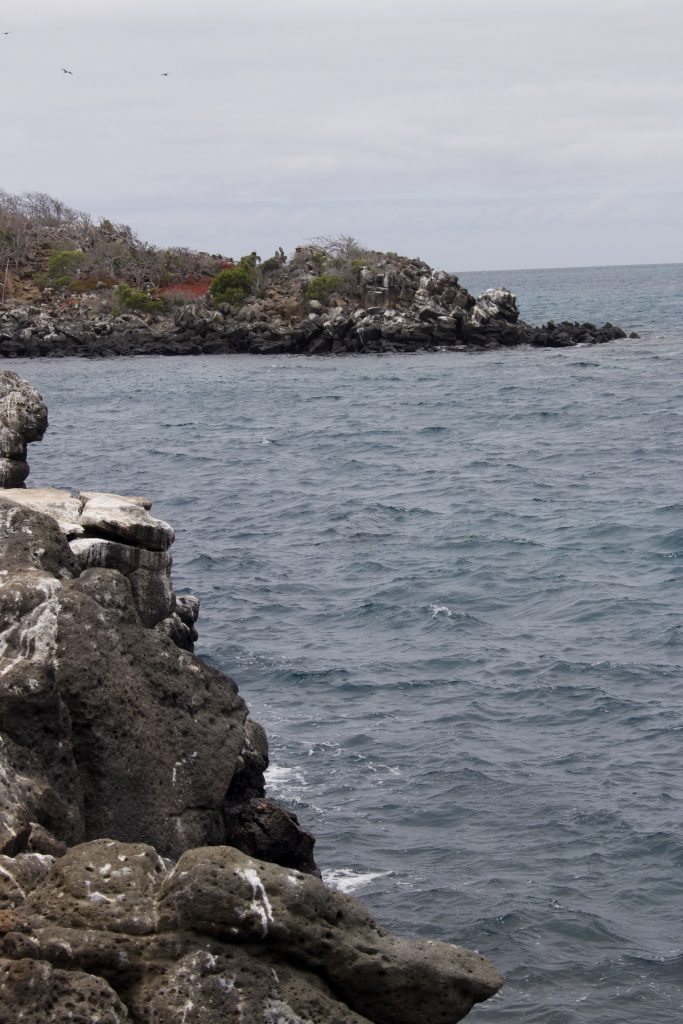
(449, 585)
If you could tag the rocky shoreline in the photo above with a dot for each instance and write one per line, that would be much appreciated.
(397, 306)
(145, 876)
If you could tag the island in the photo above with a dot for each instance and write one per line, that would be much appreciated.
(72, 287)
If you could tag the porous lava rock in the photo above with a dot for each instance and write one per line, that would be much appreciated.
(122, 732)
(220, 936)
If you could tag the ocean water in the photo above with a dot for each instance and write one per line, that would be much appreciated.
(449, 585)
(645, 299)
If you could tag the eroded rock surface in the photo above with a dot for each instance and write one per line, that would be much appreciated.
(23, 418)
(121, 732)
(112, 531)
(221, 936)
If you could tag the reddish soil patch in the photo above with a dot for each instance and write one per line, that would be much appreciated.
(194, 286)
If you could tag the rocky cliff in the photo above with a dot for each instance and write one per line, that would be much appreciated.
(376, 302)
(144, 875)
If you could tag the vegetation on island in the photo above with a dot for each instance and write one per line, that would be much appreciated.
(233, 284)
(48, 244)
(50, 252)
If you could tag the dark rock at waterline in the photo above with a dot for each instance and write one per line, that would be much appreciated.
(113, 729)
(417, 309)
(263, 829)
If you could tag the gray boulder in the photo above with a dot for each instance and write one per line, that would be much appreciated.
(122, 535)
(23, 418)
(149, 573)
(125, 519)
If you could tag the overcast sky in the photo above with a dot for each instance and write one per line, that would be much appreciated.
(477, 134)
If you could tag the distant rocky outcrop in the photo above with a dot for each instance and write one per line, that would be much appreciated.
(145, 876)
(378, 302)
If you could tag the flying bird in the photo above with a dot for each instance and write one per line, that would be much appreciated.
(5, 33)
(66, 72)
(164, 74)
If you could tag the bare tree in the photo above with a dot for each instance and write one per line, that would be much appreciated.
(34, 225)
(339, 247)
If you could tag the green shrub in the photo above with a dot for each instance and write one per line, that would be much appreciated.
(322, 287)
(231, 285)
(234, 283)
(92, 282)
(273, 263)
(318, 259)
(64, 265)
(131, 298)
(76, 285)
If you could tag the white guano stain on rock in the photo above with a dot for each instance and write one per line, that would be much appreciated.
(8, 874)
(37, 640)
(179, 764)
(277, 1012)
(260, 904)
(96, 896)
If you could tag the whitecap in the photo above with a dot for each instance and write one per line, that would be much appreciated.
(440, 609)
(347, 880)
(282, 779)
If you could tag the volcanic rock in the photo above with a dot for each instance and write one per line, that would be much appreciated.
(23, 418)
(382, 302)
(221, 936)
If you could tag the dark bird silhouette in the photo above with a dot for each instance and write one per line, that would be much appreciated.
(66, 72)
(164, 74)
(5, 33)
